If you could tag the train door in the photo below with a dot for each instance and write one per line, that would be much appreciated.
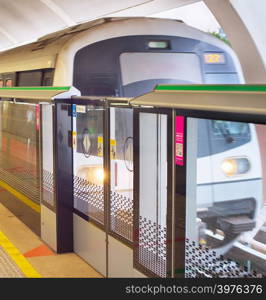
(120, 229)
(103, 187)
(88, 183)
(153, 190)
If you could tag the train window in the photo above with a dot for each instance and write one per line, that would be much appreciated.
(7, 79)
(30, 78)
(222, 136)
(142, 71)
(9, 83)
(47, 78)
(226, 135)
(102, 84)
(228, 128)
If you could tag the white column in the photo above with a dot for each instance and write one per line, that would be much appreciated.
(236, 20)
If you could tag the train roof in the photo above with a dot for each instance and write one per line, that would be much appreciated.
(239, 99)
(44, 53)
(69, 31)
(91, 24)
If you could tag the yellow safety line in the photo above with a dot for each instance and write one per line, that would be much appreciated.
(21, 197)
(18, 258)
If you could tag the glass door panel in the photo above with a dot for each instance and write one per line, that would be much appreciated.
(225, 210)
(153, 193)
(121, 172)
(88, 161)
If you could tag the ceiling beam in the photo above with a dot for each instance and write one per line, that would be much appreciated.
(151, 7)
(8, 36)
(59, 12)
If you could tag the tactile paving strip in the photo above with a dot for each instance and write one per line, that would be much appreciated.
(8, 268)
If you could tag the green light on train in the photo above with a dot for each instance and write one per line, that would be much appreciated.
(158, 44)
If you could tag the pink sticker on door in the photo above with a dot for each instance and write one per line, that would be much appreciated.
(179, 140)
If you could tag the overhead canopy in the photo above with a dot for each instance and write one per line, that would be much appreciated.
(37, 94)
(240, 99)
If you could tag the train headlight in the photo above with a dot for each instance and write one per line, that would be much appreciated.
(235, 166)
(99, 174)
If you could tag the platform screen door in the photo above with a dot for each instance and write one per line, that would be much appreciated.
(152, 217)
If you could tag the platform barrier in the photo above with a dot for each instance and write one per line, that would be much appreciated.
(168, 184)
(199, 181)
(28, 153)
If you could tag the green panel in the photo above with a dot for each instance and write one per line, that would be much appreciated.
(38, 88)
(206, 87)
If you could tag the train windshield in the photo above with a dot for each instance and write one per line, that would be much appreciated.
(228, 129)
(221, 136)
(141, 72)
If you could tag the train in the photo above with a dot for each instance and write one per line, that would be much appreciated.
(229, 181)
(123, 57)
(128, 57)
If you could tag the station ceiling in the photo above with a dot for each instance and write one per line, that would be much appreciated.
(24, 21)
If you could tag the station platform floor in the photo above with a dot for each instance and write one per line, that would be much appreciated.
(24, 255)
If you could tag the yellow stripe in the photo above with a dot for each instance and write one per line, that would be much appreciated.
(18, 258)
(21, 197)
